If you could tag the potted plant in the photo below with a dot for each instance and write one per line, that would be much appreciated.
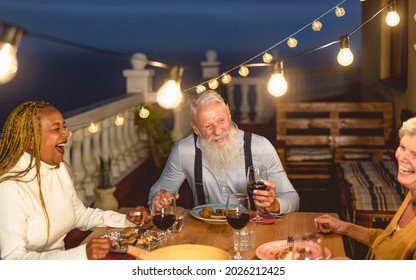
(158, 135)
(105, 190)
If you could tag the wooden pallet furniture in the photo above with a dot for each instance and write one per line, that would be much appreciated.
(329, 141)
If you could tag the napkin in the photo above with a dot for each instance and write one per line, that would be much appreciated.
(267, 219)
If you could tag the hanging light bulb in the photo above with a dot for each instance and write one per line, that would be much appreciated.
(339, 12)
(200, 88)
(8, 49)
(316, 25)
(243, 71)
(93, 128)
(169, 96)
(143, 112)
(226, 78)
(392, 18)
(292, 42)
(345, 56)
(267, 58)
(213, 84)
(119, 121)
(277, 85)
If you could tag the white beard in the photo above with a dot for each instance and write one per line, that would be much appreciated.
(225, 158)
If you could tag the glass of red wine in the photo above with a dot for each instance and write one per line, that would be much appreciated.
(162, 212)
(237, 212)
(256, 175)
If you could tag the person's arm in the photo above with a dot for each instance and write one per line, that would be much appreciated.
(328, 224)
(172, 176)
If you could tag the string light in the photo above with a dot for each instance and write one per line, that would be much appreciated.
(316, 25)
(292, 42)
(243, 71)
(8, 49)
(143, 112)
(94, 127)
(267, 58)
(277, 85)
(169, 96)
(200, 88)
(226, 78)
(392, 18)
(339, 11)
(119, 120)
(345, 56)
(213, 84)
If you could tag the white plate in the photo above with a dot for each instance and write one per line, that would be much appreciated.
(268, 251)
(217, 221)
(116, 235)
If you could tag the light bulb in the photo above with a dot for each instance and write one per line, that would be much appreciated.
(8, 49)
(267, 57)
(316, 25)
(93, 128)
(292, 42)
(277, 85)
(243, 71)
(339, 12)
(213, 84)
(226, 78)
(345, 56)
(169, 96)
(144, 113)
(119, 121)
(392, 18)
(200, 88)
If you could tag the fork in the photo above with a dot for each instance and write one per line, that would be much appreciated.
(290, 241)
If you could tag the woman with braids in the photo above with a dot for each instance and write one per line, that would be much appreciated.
(38, 202)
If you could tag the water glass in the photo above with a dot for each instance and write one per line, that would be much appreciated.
(247, 239)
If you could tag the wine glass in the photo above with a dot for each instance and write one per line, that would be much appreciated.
(309, 247)
(256, 175)
(237, 212)
(162, 212)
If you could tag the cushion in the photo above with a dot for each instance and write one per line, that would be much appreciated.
(305, 154)
(374, 185)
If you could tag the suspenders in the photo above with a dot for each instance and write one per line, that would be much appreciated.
(198, 165)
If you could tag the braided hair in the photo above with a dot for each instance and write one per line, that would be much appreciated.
(22, 133)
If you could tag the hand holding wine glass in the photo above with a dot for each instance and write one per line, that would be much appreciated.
(256, 175)
(237, 213)
(162, 212)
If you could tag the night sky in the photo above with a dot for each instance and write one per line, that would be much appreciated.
(172, 32)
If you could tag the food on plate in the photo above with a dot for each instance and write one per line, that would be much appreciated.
(127, 232)
(206, 212)
(130, 235)
(210, 213)
(285, 254)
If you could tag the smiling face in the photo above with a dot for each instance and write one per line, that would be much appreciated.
(54, 135)
(406, 159)
(213, 122)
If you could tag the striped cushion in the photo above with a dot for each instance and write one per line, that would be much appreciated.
(374, 185)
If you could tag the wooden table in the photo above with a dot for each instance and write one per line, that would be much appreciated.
(199, 232)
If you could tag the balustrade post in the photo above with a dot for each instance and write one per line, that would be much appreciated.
(77, 166)
(128, 119)
(89, 164)
(210, 67)
(121, 147)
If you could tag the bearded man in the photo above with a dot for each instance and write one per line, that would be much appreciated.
(215, 158)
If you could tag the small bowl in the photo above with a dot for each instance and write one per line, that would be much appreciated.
(192, 252)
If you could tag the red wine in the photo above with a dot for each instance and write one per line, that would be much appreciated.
(164, 221)
(259, 185)
(238, 221)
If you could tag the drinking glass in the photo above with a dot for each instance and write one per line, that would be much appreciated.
(237, 212)
(309, 246)
(162, 212)
(256, 175)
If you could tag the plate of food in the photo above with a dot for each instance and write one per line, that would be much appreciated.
(146, 239)
(278, 250)
(210, 213)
